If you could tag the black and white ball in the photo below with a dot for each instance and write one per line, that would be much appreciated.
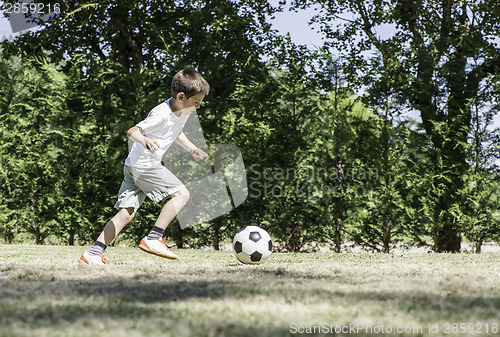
(252, 245)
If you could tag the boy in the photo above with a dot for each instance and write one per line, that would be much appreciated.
(144, 173)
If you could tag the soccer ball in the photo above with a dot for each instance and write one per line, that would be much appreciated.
(252, 245)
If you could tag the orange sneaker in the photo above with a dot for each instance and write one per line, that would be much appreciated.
(87, 258)
(156, 247)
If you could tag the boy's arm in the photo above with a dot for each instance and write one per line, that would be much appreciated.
(135, 134)
(184, 142)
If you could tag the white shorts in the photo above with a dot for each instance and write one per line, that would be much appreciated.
(138, 183)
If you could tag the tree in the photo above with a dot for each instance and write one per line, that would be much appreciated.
(33, 96)
(275, 110)
(434, 63)
(337, 137)
(480, 194)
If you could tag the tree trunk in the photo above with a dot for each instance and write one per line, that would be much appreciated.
(387, 234)
(179, 241)
(337, 235)
(71, 240)
(216, 242)
(478, 244)
(448, 241)
(38, 236)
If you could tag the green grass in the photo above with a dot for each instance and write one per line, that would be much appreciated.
(45, 292)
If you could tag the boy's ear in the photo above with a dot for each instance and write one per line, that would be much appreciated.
(181, 96)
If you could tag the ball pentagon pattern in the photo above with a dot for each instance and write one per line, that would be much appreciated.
(252, 245)
(255, 236)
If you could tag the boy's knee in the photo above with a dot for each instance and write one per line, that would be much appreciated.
(130, 214)
(183, 193)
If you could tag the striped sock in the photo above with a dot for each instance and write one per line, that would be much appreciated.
(156, 233)
(97, 248)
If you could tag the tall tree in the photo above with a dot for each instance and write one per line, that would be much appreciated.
(480, 206)
(33, 96)
(434, 62)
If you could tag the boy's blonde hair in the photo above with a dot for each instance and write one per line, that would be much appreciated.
(190, 82)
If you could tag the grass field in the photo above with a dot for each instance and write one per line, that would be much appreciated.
(45, 292)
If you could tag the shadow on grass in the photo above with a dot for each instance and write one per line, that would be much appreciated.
(142, 308)
(246, 284)
(32, 299)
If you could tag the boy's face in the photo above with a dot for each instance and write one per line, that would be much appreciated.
(191, 104)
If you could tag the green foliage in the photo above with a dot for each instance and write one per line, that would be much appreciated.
(322, 164)
(62, 143)
(436, 62)
(275, 110)
(32, 97)
(479, 210)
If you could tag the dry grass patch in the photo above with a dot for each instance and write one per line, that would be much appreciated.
(44, 292)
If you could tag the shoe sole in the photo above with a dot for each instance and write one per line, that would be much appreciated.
(147, 250)
(80, 261)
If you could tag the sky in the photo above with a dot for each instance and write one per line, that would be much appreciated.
(5, 29)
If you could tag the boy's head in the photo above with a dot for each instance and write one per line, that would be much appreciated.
(190, 82)
(188, 90)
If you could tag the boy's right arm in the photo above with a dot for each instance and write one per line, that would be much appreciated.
(135, 134)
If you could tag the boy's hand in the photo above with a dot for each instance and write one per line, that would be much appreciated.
(135, 134)
(151, 145)
(198, 154)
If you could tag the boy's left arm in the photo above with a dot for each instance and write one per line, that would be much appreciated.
(184, 142)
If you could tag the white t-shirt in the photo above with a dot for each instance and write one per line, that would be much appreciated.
(161, 125)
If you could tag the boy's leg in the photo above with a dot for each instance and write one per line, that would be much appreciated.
(152, 243)
(114, 226)
(172, 208)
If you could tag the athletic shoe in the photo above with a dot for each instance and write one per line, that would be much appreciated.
(156, 247)
(94, 259)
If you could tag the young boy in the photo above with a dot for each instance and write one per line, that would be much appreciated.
(144, 173)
